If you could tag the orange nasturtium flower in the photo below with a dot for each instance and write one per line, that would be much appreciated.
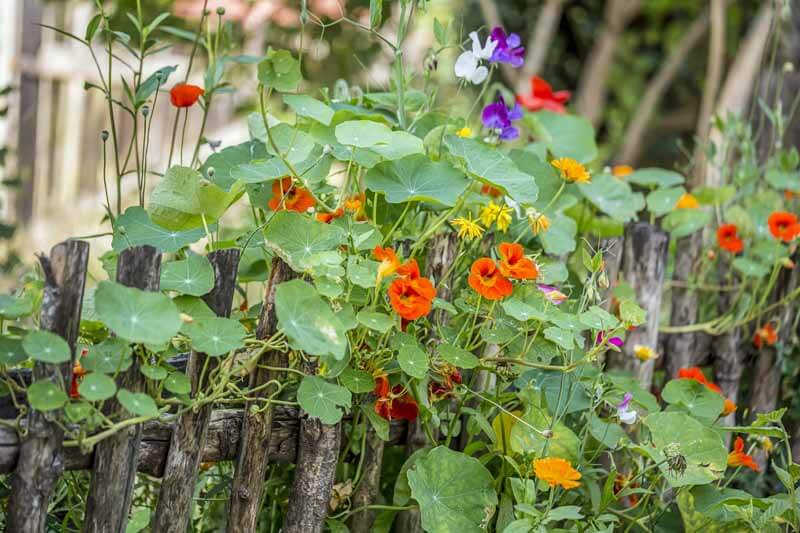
(327, 217)
(621, 170)
(185, 95)
(514, 264)
(765, 335)
(77, 372)
(412, 297)
(388, 259)
(488, 281)
(694, 373)
(687, 201)
(738, 458)
(728, 239)
(784, 226)
(571, 170)
(557, 471)
(729, 407)
(286, 195)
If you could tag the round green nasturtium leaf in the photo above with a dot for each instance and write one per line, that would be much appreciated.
(697, 399)
(457, 357)
(559, 239)
(323, 400)
(302, 242)
(357, 381)
(193, 276)
(565, 135)
(279, 71)
(662, 201)
(134, 228)
(215, 336)
(44, 395)
(97, 387)
(613, 197)
(417, 178)
(363, 133)
(655, 177)
(380, 322)
(598, 318)
(137, 403)
(683, 222)
(454, 491)
(178, 383)
(110, 356)
(13, 307)
(413, 361)
(526, 437)
(11, 351)
(47, 347)
(77, 411)
(305, 106)
(153, 372)
(140, 519)
(135, 315)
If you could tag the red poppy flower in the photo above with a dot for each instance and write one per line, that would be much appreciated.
(694, 373)
(514, 264)
(784, 226)
(327, 217)
(543, 97)
(487, 280)
(286, 195)
(185, 95)
(396, 404)
(412, 298)
(765, 335)
(728, 239)
(739, 458)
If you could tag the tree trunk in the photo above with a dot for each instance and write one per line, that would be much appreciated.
(115, 458)
(41, 461)
(174, 508)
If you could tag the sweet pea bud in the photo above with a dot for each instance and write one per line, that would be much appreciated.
(145, 110)
(104, 135)
(220, 11)
(602, 280)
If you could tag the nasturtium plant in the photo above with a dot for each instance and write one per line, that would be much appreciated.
(135, 315)
(193, 276)
(322, 399)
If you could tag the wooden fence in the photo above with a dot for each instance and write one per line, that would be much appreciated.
(171, 449)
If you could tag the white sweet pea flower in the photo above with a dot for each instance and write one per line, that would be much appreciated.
(467, 67)
(484, 52)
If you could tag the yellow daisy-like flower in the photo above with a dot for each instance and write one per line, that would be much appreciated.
(557, 471)
(504, 218)
(571, 170)
(687, 201)
(465, 132)
(468, 229)
(621, 170)
(644, 353)
(537, 221)
(489, 213)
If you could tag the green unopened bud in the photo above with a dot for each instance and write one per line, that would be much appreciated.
(104, 135)
(220, 11)
(145, 110)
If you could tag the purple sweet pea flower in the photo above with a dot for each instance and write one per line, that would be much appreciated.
(508, 48)
(616, 341)
(625, 413)
(496, 116)
(552, 293)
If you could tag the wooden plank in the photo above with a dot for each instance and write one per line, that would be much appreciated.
(40, 461)
(188, 439)
(116, 457)
(253, 458)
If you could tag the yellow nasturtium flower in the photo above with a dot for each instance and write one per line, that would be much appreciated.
(468, 229)
(465, 132)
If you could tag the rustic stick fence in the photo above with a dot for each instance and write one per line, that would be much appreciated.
(172, 450)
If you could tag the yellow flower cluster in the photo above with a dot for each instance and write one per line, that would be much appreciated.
(468, 229)
(501, 214)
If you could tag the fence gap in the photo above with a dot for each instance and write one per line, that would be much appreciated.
(40, 461)
(116, 458)
(253, 458)
(189, 436)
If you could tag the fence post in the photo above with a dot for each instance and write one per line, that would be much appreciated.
(186, 444)
(253, 457)
(116, 457)
(40, 461)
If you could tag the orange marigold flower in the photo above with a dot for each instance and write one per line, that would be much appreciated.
(557, 471)
(327, 217)
(694, 373)
(621, 170)
(687, 201)
(738, 458)
(765, 335)
(412, 298)
(784, 226)
(728, 239)
(487, 280)
(729, 407)
(185, 95)
(514, 264)
(388, 259)
(286, 195)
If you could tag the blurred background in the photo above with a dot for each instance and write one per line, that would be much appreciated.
(636, 69)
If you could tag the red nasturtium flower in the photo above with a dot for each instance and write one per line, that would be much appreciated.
(411, 296)
(543, 97)
(494, 192)
(185, 95)
(395, 403)
(739, 458)
(286, 195)
(77, 373)
(452, 377)
(728, 239)
(327, 217)
(514, 264)
(784, 226)
(487, 280)
(765, 335)
(694, 373)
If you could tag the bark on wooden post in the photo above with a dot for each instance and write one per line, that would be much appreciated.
(253, 457)
(728, 354)
(186, 445)
(644, 261)
(115, 458)
(40, 461)
(369, 485)
(317, 454)
(681, 347)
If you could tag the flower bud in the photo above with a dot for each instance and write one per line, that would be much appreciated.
(547, 433)
(145, 110)
(220, 11)
(104, 135)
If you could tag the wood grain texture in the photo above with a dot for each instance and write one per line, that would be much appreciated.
(174, 507)
(369, 484)
(253, 457)
(40, 459)
(680, 347)
(116, 458)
